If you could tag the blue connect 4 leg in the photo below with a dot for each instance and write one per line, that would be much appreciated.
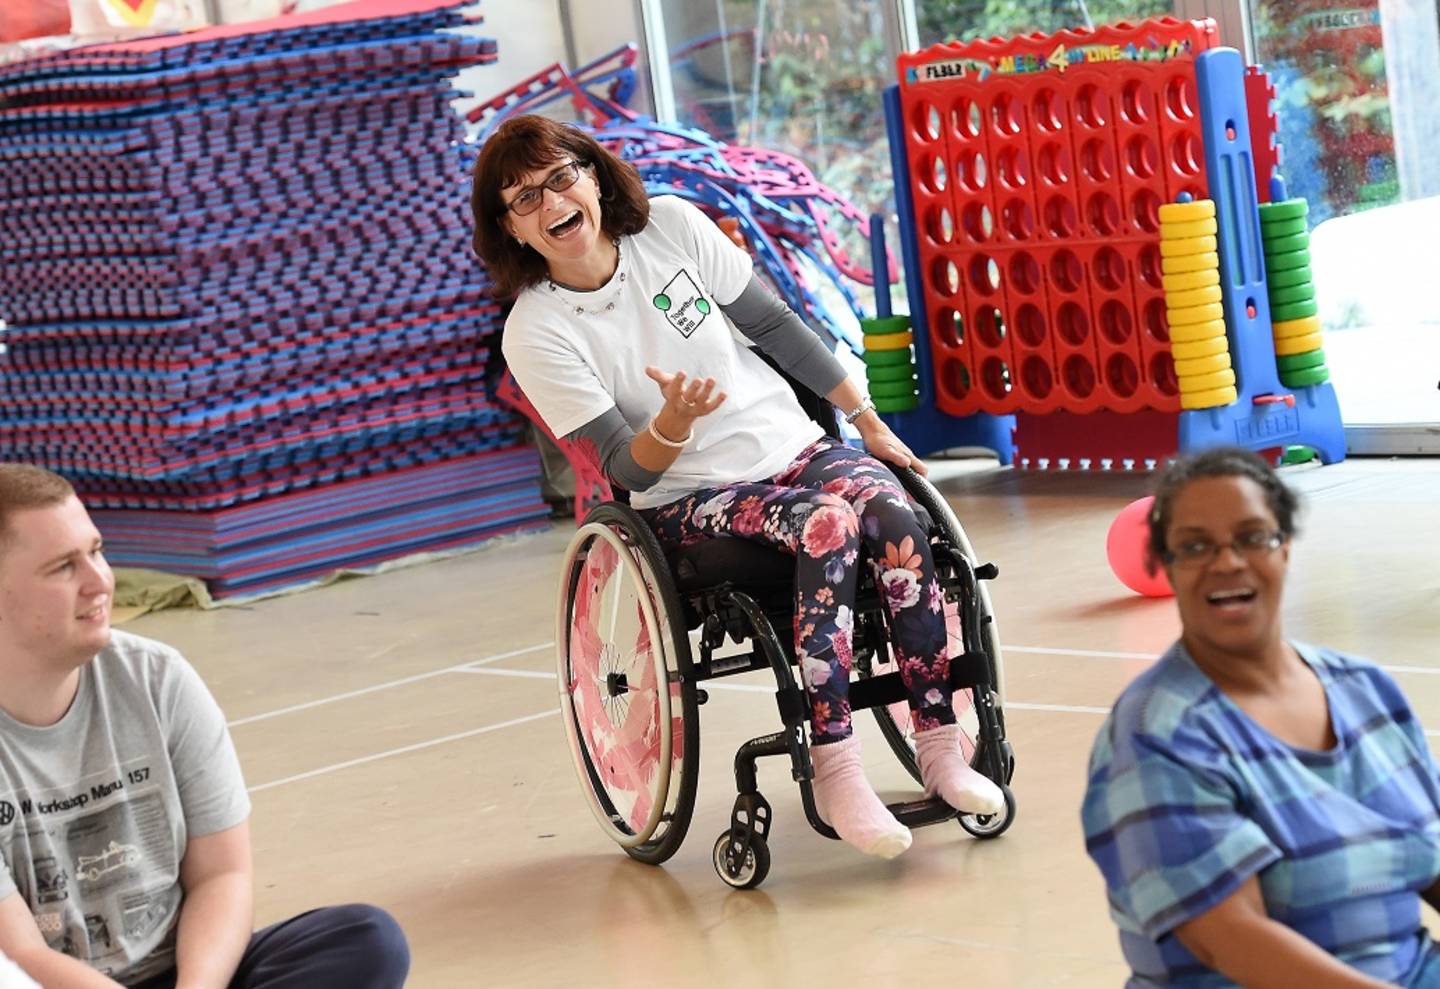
(1266, 414)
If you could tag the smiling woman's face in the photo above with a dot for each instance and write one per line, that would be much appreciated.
(1230, 604)
(566, 225)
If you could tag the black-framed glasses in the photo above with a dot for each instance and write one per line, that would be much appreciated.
(557, 181)
(1202, 552)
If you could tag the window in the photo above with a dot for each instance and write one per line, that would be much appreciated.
(803, 77)
(965, 20)
(1356, 86)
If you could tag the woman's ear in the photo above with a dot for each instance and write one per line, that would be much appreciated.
(593, 170)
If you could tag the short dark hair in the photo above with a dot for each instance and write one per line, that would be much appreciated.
(23, 486)
(522, 145)
(1220, 461)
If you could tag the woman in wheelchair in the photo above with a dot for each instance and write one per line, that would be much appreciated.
(625, 332)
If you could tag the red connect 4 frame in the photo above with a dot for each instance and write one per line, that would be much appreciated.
(1038, 167)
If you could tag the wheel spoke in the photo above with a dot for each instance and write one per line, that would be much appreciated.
(614, 610)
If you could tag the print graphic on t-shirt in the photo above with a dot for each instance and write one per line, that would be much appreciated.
(143, 911)
(102, 882)
(65, 945)
(682, 302)
(51, 924)
(112, 858)
(51, 881)
(99, 931)
(7, 812)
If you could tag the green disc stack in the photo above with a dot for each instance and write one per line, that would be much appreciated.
(1294, 315)
(889, 363)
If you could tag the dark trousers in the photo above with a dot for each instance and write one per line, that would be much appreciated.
(349, 947)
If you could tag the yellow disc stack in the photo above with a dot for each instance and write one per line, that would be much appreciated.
(1190, 265)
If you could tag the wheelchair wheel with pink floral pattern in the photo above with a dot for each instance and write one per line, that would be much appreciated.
(629, 712)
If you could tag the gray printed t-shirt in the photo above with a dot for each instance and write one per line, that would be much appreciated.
(95, 810)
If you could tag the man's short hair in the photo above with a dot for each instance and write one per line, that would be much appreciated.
(23, 487)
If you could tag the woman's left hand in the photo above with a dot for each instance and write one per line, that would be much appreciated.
(882, 444)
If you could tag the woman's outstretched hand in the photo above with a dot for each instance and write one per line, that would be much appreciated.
(686, 401)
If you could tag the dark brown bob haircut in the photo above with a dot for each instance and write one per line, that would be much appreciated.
(526, 144)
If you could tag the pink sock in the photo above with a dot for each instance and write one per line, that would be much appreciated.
(945, 772)
(848, 803)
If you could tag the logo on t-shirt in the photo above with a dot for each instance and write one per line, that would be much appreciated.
(7, 812)
(683, 304)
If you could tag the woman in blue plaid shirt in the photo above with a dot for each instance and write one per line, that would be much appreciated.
(1265, 813)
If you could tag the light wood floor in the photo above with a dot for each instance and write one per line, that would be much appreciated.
(400, 736)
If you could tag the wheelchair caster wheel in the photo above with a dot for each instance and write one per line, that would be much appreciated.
(747, 874)
(991, 825)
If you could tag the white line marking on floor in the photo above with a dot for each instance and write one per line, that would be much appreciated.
(759, 688)
(507, 655)
(1059, 708)
(1095, 653)
(402, 750)
(1106, 654)
(528, 674)
(542, 675)
(475, 666)
(386, 686)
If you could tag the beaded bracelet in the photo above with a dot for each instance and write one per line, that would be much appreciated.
(672, 444)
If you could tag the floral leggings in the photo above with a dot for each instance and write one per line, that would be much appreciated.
(821, 508)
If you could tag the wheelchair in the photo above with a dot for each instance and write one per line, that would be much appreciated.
(631, 684)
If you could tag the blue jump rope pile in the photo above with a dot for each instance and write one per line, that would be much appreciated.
(243, 314)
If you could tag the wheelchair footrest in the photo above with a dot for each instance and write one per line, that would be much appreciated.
(919, 813)
(970, 670)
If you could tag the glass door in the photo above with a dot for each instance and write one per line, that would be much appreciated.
(1356, 87)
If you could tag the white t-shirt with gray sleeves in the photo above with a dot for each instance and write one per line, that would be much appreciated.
(577, 353)
(96, 809)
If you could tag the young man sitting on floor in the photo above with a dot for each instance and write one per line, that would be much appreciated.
(124, 821)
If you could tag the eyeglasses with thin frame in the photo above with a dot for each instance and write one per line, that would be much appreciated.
(1196, 553)
(557, 181)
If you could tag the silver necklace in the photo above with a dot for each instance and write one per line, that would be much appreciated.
(595, 308)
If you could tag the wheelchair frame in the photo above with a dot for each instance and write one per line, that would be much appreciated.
(615, 532)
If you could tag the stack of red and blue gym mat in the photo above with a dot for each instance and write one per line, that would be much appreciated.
(243, 315)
